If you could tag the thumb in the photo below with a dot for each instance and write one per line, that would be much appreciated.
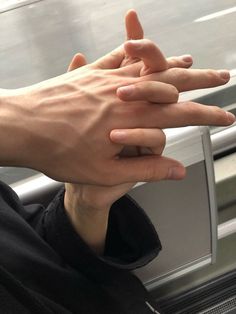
(77, 62)
(149, 168)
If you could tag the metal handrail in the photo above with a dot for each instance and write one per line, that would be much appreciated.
(227, 228)
(223, 140)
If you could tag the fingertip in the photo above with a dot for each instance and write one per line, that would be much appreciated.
(78, 61)
(125, 92)
(187, 58)
(134, 28)
(131, 12)
(224, 74)
(231, 117)
(176, 173)
(117, 136)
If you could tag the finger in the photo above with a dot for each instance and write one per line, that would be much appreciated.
(112, 60)
(179, 115)
(134, 28)
(149, 53)
(134, 151)
(148, 168)
(117, 57)
(156, 92)
(185, 61)
(190, 79)
(78, 61)
(152, 138)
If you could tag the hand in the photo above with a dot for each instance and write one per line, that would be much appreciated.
(88, 206)
(120, 58)
(59, 126)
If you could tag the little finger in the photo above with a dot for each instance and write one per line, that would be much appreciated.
(185, 61)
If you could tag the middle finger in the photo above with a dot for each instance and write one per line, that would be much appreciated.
(190, 79)
(156, 92)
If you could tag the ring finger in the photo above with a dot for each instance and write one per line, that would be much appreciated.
(156, 92)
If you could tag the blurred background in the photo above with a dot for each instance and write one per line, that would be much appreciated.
(39, 38)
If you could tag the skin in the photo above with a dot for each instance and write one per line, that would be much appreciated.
(59, 125)
(88, 206)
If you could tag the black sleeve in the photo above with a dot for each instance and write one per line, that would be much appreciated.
(131, 238)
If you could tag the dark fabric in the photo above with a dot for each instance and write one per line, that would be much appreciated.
(45, 267)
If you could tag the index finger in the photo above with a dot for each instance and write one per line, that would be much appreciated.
(149, 53)
(133, 26)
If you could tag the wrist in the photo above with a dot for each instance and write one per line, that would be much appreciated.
(14, 133)
(89, 221)
(86, 200)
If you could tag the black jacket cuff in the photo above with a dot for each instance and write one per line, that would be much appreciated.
(131, 238)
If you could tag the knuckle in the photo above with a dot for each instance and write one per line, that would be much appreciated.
(150, 173)
(181, 74)
(191, 113)
(138, 88)
(143, 89)
(148, 43)
(184, 75)
(149, 89)
(160, 143)
(173, 62)
(154, 173)
(140, 134)
(139, 111)
(162, 139)
(219, 114)
(174, 92)
(212, 76)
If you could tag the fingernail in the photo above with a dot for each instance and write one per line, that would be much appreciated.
(176, 173)
(187, 58)
(224, 74)
(231, 117)
(118, 135)
(126, 90)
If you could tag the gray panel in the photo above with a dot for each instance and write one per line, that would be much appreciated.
(181, 215)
